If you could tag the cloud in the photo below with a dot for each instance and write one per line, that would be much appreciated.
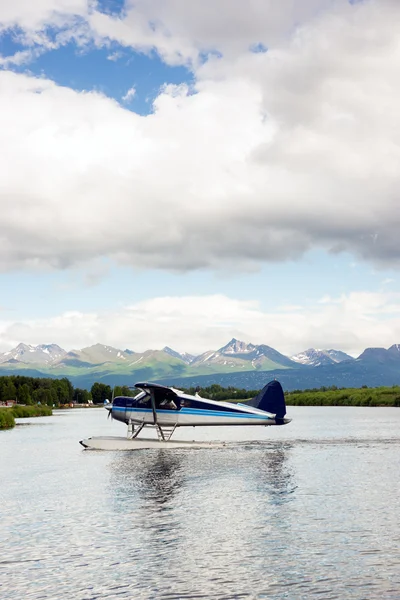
(265, 157)
(31, 16)
(42, 26)
(21, 57)
(198, 323)
(129, 96)
(114, 56)
(181, 32)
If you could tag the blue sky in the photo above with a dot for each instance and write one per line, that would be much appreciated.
(303, 282)
(164, 182)
(112, 70)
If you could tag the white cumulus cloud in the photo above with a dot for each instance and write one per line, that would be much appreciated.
(267, 156)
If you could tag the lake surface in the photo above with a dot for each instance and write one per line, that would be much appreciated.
(308, 510)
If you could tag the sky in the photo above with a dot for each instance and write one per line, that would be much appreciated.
(180, 173)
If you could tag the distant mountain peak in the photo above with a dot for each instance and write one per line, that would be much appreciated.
(315, 357)
(395, 349)
(50, 348)
(373, 354)
(100, 354)
(187, 358)
(381, 355)
(24, 347)
(236, 347)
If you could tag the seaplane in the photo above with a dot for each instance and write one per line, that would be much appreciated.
(166, 408)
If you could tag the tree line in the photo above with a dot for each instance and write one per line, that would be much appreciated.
(54, 392)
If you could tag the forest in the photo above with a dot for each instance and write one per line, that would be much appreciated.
(54, 392)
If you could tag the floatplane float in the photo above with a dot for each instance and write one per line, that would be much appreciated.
(166, 408)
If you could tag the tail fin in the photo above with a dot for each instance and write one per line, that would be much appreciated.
(272, 400)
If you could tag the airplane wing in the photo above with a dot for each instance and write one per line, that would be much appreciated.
(159, 391)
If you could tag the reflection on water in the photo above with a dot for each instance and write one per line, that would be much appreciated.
(276, 474)
(295, 513)
(156, 476)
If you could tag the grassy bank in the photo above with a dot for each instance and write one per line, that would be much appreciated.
(20, 412)
(8, 415)
(7, 420)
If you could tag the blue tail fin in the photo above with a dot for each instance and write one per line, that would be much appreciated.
(272, 400)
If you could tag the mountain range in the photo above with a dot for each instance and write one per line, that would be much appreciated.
(237, 363)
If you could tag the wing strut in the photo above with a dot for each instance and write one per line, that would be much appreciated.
(164, 434)
(153, 406)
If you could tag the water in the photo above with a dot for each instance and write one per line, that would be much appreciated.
(308, 510)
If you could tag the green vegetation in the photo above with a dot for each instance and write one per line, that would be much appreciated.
(23, 412)
(382, 396)
(34, 390)
(8, 415)
(43, 391)
(7, 420)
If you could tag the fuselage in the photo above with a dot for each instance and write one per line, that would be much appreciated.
(186, 410)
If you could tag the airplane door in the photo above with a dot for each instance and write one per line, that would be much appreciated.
(142, 408)
(131, 412)
(128, 408)
(169, 414)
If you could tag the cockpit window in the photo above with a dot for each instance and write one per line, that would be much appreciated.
(119, 402)
(144, 402)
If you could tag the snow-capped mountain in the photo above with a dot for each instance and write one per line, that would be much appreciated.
(316, 357)
(98, 354)
(244, 356)
(236, 347)
(237, 363)
(45, 354)
(394, 350)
